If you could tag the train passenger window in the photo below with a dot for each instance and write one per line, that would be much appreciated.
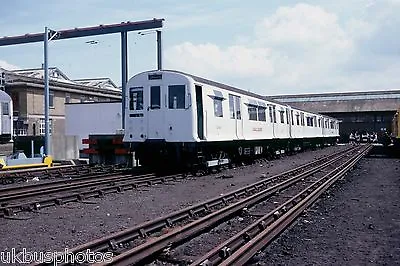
(252, 112)
(232, 106)
(136, 98)
(298, 119)
(155, 97)
(176, 96)
(282, 115)
(287, 116)
(237, 108)
(5, 108)
(270, 114)
(261, 114)
(274, 113)
(302, 118)
(291, 114)
(218, 107)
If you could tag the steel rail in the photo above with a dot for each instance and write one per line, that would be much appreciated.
(115, 240)
(177, 235)
(9, 194)
(61, 171)
(115, 186)
(37, 169)
(238, 249)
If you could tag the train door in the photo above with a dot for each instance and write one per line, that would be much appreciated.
(321, 130)
(289, 122)
(272, 117)
(155, 114)
(239, 120)
(199, 107)
(236, 114)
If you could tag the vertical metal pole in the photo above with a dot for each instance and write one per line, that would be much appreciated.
(159, 51)
(124, 68)
(46, 93)
(32, 148)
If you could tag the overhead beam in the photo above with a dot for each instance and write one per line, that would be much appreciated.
(85, 32)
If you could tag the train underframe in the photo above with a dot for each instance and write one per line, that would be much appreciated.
(197, 155)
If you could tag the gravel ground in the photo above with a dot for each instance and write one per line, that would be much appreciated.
(58, 227)
(356, 223)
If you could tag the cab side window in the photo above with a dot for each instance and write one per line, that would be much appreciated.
(136, 98)
(176, 96)
(155, 97)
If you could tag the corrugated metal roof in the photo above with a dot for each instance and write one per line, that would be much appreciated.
(54, 73)
(104, 83)
(383, 95)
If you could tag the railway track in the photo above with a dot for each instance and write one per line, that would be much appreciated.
(14, 193)
(39, 196)
(13, 176)
(145, 242)
(240, 248)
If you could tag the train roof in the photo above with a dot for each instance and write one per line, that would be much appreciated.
(234, 89)
(226, 87)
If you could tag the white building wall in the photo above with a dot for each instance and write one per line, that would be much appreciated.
(84, 119)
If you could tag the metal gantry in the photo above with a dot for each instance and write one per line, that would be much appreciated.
(122, 28)
(48, 36)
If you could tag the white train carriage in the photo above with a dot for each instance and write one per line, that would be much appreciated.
(6, 124)
(178, 118)
(6, 121)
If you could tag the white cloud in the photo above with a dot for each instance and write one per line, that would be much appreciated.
(301, 48)
(304, 25)
(209, 59)
(7, 66)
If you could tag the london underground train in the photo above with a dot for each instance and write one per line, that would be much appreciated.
(175, 118)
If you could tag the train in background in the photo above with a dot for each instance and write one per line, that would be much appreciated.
(396, 130)
(178, 119)
(6, 124)
(8, 159)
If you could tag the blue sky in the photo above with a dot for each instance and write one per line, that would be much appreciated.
(268, 47)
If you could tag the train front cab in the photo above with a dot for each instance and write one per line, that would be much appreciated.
(159, 116)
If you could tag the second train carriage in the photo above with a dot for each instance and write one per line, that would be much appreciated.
(177, 118)
(396, 129)
(6, 124)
